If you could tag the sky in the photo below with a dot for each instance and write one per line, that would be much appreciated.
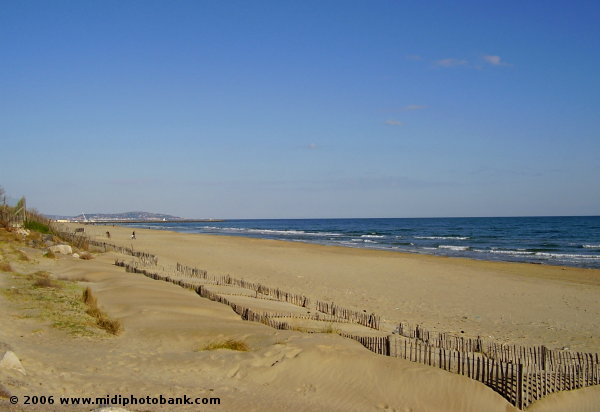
(301, 109)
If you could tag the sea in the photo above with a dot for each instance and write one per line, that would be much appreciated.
(566, 241)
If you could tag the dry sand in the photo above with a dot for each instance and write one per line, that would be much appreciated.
(511, 302)
(164, 325)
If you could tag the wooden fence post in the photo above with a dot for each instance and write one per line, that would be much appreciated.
(519, 386)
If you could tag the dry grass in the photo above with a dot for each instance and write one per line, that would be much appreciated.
(39, 296)
(85, 256)
(9, 236)
(58, 302)
(4, 393)
(316, 329)
(300, 329)
(23, 256)
(33, 235)
(230, 344)
(50, 255)
(330, 329)
(112, 326)
(89, 298)
(43, 280)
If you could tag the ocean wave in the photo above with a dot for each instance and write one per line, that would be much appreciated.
(443, 237)
(373, 236)
(591, 246)
(364, 240)
(456, 248)
(566, 255)
(269, 231)
(505, 252)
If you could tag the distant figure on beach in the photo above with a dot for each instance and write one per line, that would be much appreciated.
(133, 235)
(108, 234)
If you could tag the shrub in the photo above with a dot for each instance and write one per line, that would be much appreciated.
(37, 226)
(5, 267)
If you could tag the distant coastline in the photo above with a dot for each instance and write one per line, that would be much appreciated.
(148, 221)
(127, 217)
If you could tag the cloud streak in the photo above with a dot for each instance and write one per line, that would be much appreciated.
(412, 107)
(494, 60)
(451, 62)
(393, 123)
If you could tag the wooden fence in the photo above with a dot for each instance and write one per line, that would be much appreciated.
(369, 320)
(441, 339)
(518, 384)
(278, 294)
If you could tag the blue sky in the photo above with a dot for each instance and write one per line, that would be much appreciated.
(277, 109)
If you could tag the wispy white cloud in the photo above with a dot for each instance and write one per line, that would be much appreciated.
(311, 146)
(393, 123)
(411, 107)
(451, 62)
(494, 60)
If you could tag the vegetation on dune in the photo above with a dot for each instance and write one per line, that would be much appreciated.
(50, 255)
(326, 329)
(37, 226)
(38, 296)
(4, 393)
(230, 344)
(85, 255)
(112, 326)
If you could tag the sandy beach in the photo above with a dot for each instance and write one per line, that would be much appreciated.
(510, 302)
(164, 325)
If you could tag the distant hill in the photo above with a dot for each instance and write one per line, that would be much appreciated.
(118, 216)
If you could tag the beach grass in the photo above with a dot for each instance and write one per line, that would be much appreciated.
(112, 326)
(38, 296)
(230, 344)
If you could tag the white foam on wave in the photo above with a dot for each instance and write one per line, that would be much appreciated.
(270, 231)
(373, 236)
(364, 240)
(443, 237)
(504, 252)
(456, 248)
(591, 246)
(566, 255)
